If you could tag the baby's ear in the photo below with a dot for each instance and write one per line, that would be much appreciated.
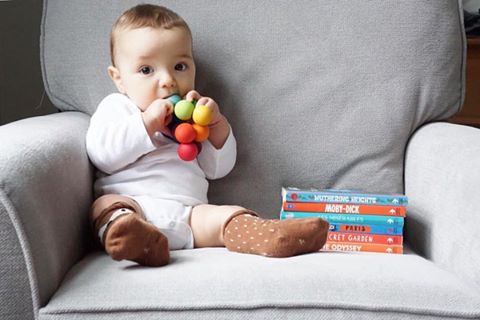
(114, 74)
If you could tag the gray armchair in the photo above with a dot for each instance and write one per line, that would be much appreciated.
(332, 94)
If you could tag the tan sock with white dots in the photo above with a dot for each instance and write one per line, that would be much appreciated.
(274, 238)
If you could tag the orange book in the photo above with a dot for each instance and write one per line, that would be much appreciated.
(384, 210)
(364, 238)
(362, 247)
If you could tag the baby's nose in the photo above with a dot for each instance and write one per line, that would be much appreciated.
(166, 81)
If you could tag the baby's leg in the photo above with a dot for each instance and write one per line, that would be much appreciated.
(120, 227)
(207, 222)
(240, 230)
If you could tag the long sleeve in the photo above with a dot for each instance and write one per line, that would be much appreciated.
(117, 136)
(217, 163)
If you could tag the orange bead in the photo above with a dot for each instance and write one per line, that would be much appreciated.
(202, 132)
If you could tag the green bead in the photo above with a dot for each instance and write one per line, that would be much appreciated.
(184, 109)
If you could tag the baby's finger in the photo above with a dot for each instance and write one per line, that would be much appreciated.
(192, 95)
(168, 119)
(204, 101)
(169, 109)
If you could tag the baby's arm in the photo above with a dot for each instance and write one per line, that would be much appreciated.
(117, 135)
(219, 132)
(217, 163)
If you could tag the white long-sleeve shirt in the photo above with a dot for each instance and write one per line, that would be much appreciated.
(129, 163)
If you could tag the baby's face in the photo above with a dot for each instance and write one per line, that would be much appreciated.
(153, 63)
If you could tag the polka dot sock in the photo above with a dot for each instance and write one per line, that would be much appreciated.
(274, 238)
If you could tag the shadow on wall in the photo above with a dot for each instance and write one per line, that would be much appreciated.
(471, 5)
(21, 86)
(472, 24)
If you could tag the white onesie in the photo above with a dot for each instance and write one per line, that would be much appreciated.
(152, 174)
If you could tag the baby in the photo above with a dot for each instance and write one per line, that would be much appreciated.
(150, 201)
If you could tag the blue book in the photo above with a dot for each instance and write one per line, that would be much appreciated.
(364, 229)
(342, 196)
(346, 218)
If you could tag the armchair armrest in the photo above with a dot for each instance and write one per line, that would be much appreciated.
(45, 194)
(442, 181)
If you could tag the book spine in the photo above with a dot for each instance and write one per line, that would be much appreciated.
(333, 237)
(344, 197)
(386, 210)
(346, 218)
(361, 247)
(375, 229)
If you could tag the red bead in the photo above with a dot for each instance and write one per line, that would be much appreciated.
(187, 151)
(185, 133)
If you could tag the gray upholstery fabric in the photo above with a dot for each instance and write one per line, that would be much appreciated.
(442, 181)
(45, 193)
(216, 281)
(14, 273)
(319, 93)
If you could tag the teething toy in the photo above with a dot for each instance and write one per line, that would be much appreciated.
(202, 115)
(183, 109)
(174, 99)
(185, 133)
(189, 126)
(202, 132)
(187, 151)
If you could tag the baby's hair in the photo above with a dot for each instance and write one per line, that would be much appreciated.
(145, 15)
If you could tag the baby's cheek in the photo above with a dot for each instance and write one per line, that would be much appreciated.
(142, 105)
(185, 90)
(143, 101)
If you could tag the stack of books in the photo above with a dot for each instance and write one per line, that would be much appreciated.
(359, 221)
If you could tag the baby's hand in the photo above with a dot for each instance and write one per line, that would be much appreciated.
(219, 126)
(157, 116)
(205, 101)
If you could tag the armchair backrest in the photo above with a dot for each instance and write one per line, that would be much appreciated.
(319, 93)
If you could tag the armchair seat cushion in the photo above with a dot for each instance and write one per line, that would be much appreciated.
(214, 283)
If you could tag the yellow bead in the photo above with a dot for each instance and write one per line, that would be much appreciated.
(202, 115)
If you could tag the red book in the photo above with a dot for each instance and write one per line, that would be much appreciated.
(364, 238)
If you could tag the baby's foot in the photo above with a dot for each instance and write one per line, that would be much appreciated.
(130, 237)
(275, 238)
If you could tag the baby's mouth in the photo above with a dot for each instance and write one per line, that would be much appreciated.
(170, 95)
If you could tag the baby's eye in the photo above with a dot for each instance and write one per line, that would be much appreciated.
(146, 70)
(181, 66)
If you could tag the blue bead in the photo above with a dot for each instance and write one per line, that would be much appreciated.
(174, 99)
